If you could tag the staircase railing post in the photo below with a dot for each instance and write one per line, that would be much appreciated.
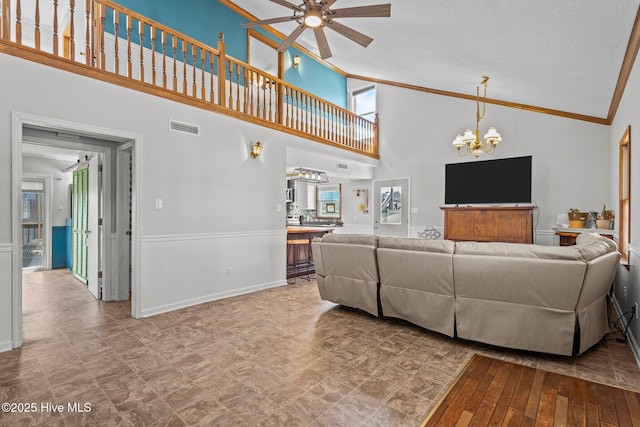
(222, 71)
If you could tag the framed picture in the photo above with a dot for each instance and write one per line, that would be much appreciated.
(331, 208)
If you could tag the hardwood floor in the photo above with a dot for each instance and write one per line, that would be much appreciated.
(495, 392)
(274, 358)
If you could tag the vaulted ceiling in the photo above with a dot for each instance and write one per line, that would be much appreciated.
(560, 55)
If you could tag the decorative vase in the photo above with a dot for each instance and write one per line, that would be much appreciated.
(576, 224)
(603, 224)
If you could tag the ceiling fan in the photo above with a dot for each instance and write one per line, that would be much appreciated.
(318, 14)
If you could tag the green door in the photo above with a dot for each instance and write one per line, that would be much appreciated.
(80, 223)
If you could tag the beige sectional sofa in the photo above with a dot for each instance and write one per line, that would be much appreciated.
(531, 297)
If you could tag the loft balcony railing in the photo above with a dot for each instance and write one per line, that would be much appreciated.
(103, 40)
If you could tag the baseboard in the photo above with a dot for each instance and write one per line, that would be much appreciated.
(6, 346)
(635, 349)
(208, 298)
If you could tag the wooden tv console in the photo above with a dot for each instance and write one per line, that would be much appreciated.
(489, 223)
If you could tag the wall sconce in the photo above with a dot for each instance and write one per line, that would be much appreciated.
(256, 150)
(296, 61)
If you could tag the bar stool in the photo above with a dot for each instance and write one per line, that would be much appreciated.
(294, 263)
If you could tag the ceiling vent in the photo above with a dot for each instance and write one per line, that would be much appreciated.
(175, 126)
(342, 166)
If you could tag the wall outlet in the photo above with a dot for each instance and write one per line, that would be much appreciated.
(624, 292)
(229, 272)
(636, 306)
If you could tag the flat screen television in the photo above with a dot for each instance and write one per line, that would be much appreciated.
(489, 181)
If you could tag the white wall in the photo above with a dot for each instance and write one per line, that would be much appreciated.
(627, 284)
(220, 232)
(571, 165)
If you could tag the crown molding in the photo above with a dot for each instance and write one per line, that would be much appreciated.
(625, 69)
(543, 110)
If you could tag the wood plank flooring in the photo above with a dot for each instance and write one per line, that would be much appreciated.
(495, 392)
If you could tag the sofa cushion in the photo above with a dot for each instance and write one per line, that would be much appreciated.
(592, 245)
(438, 246)
(355, 239)
(518, 250)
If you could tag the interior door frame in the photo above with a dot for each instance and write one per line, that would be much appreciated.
(47, 217)
(18, 121)
(375, 197)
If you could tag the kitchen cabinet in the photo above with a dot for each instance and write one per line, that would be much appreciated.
(303, 195)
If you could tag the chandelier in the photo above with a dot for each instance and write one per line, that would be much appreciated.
(470, 142)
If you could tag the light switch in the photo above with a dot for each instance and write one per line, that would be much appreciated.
(278, 207)
(159, 204)
(415, 210)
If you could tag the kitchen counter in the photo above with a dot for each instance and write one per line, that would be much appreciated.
(299, 257)
(309, 229)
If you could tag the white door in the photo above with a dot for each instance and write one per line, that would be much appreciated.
(94, 230)
(391, 207)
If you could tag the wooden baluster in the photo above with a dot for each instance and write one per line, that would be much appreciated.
(163, 43)
(87, 34)
(287, 106)
(184, 66)
(203, 56)
(307, 109)
(174, 46)
(194, 85)
(116, 47)
(211, 81)
(300, 111)
(37, 29)
(129, 65)
(251, 83)
(152, 34)
(230, 79)
(265, 83)
(5, 24)
(18, 22)
(103, 15)
(238, 83)
(272, 88)
(72, 30)
(141, 43)
(55, 27)
(246, 82)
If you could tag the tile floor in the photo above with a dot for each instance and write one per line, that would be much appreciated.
(275, 358)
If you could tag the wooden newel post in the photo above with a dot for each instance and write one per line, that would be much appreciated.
(222, 71)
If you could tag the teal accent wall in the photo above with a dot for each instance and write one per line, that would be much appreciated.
(204, 19)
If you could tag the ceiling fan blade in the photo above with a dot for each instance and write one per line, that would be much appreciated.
(323, 44)
(291, 6)
(326, 4)
(268, 21)
(373, 11)
(286, 44)
(362, 39)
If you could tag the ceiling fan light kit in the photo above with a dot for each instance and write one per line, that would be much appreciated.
(317, 15)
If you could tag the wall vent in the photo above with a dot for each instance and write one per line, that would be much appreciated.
(342, 166)
(175, 126)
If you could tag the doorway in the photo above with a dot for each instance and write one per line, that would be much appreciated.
(35, 210)
(391, 207)
(107, 143)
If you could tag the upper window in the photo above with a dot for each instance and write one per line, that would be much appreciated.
(363, 103)
(624, 212)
